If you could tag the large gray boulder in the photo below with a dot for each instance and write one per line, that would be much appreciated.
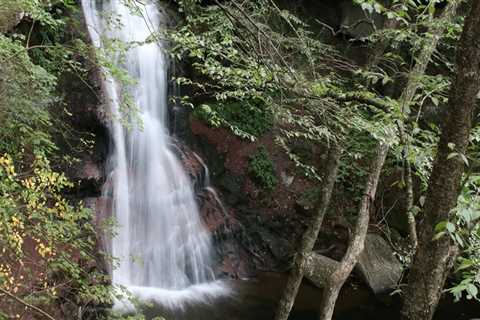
(378, 266)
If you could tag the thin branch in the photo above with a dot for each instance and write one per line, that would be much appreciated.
(26, 304)
(29, 34)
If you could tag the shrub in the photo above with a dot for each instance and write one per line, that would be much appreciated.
(247, 119)
(262, 169)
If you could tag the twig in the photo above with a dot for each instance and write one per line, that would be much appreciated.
(30, 34)
(14, 297)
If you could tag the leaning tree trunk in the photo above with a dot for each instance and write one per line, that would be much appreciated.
(428, 48)
(338, 277)
(433, 257)
(309, 237)
(308, 263)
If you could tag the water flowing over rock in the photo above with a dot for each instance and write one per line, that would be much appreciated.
(161, 242)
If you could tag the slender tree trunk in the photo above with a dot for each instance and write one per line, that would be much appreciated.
(309, 237)
(311, 265)
(337, 279)
(412, 224)
(434, 257)
(428, 48)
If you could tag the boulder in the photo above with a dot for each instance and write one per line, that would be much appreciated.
(319, 268)
(378, 266)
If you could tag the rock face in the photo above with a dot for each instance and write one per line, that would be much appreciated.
(263, 226)
(256, 229)
(378, 266)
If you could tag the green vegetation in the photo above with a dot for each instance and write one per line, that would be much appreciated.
(321, 96)
(262, 169)
(247, 119)
(260, 70)
(48, 242)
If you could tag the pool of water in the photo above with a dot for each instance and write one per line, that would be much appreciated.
(255, 299)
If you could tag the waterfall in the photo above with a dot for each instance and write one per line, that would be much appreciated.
(161, 243)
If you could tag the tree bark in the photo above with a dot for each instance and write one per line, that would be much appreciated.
(337, 279)
(412, 224)
(433, 258)
(309, 237)
(408, 95)
(331, 274)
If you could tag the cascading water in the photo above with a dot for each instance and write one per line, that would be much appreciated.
(161, 243)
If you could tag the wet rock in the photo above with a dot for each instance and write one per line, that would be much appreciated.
(377, 265)
(280, 247)
(232, 188)
(88, 178)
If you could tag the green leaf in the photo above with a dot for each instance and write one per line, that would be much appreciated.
(451, 155)
(466, 263)
(422, 201)
(450, 227)
(439, 235)
(441, 226)
(459, 240)
(472, 290)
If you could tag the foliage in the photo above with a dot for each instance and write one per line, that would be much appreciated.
(464, 230)
(463, 227)
(26, 91)
(248, 119)
(255, 51)
(48, 243)
(262, 169)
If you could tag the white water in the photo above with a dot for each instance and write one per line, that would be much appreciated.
(162, 247)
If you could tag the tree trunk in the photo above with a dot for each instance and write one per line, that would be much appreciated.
(412, 224)
(433, 258)
(319, 269)
(428, 48)
(337, 279)
(309, 238)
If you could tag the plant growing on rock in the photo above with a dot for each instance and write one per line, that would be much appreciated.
(262, 169)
